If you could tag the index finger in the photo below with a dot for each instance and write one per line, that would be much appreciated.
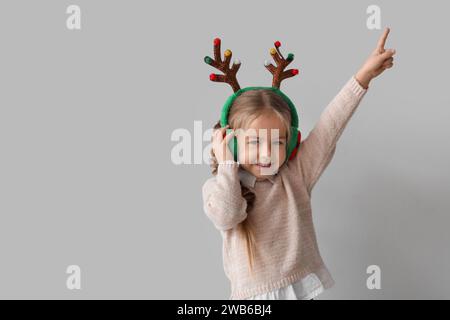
(382, 40)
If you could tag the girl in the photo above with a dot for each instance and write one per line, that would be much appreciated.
(269, 243)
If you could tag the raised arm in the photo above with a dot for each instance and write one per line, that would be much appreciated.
(317, 150)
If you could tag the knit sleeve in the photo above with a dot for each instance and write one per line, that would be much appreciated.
(317, 150)
(222, 199)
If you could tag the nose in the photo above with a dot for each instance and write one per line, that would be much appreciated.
(265, 152)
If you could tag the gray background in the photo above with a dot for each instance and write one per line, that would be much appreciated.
(86, 117)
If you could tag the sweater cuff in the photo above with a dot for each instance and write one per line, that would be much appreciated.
(228, 167)
(355, 87)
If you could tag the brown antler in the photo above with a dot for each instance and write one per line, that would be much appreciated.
(229, 74)
(278, 72)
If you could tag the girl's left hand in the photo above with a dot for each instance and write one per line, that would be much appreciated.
(379, 60)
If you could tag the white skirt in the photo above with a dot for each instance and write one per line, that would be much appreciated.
(306, 288)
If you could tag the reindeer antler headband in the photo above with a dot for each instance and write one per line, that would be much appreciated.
(229, 74)
(279, 74)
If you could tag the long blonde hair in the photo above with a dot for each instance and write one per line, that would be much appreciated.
(246, 108)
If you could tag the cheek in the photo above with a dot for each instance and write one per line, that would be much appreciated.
(281, 152)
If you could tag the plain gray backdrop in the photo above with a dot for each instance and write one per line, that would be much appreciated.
(86, 118)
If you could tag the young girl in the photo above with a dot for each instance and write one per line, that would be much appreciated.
(269, 243)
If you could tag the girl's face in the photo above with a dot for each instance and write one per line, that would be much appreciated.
(262, 146)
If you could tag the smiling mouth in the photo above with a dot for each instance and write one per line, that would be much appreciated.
(262, 165)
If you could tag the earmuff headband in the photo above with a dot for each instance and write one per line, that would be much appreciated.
(227, 106)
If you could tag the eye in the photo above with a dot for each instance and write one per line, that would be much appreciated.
(279, 142)
(253, 141)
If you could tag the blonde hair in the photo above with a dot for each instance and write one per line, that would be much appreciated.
(246, 108)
